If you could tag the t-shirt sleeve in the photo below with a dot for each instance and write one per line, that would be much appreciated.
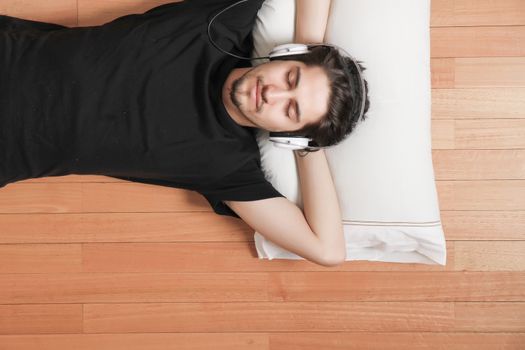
(246, 184)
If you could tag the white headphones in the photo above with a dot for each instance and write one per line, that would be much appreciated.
(285, 139)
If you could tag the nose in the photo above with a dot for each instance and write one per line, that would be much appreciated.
(273, 94)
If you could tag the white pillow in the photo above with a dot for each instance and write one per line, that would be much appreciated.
(383, 171)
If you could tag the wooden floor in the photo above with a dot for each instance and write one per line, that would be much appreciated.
(93, 262)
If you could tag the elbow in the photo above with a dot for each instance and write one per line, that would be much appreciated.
(334, 263)
(336, 254)
(333, 260)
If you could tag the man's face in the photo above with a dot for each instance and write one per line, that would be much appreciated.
(278, 95)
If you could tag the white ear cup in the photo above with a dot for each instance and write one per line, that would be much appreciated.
(296, 143)
(288, 49)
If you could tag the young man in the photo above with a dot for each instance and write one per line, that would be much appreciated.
(147, 98)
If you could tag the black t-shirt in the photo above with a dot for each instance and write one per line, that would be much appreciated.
(138, 98)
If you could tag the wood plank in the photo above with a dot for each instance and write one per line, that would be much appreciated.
(170, 257)
(396, 341)
(163, 257)
(122, 227)
(442, 73)
(478, 134)
(46, 197)
(131, 287)
(40, 198)
(392, 286)
(285, 287)
(41, 258)
(269, 317)
(477, 41)
(486, 72)
(63, 12)
(479, 164)
(486, 103)
(308, 317)
(489, 72)
(476, 13)
(266, 341)
(481, 195)
(52, 318)
(198, 257)
(490, 256)
(173, 257)
(220, 257)
(487, 225)
(443, 134)
(494, 317)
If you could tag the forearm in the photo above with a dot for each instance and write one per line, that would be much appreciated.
(321, 205)
(311, 17)
(320, 202)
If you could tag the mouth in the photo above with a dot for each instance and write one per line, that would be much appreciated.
(256, 96)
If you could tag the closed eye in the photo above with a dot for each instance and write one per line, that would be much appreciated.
(290, 85)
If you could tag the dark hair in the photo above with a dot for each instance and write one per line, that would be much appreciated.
(345, 97)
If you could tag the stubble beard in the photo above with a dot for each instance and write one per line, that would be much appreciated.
(234, 90)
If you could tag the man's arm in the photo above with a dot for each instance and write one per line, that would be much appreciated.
(311, 17)
(321, 205)
(320, 202)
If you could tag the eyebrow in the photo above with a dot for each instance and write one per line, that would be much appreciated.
(297, 86)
